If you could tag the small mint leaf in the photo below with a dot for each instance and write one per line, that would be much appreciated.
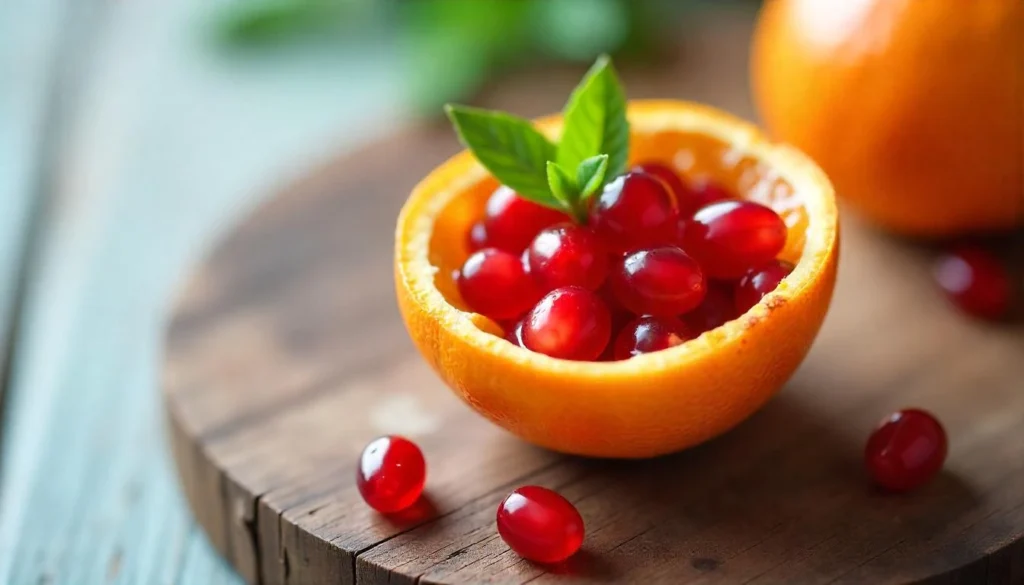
(510, 148)
(595, 120)
(567, 191)
(590, 175)
(562, 185)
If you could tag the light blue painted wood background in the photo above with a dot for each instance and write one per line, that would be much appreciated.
(144, 143)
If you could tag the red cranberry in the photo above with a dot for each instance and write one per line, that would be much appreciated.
(759, 282)
(514, 333)
(391, 473)
(717, 308)
(689, 197)
(494, 284)
(633, 211)
(730, 237)
(707, 192)
(540, 525)
(620, 315)
(567, 255)
(511, 221)
(906, 450)
(658, 281)
(569, 323)
(667, 176)
(649, 334)
(476, 238)
(975, 281)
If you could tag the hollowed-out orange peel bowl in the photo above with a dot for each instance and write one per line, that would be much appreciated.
(651, 404)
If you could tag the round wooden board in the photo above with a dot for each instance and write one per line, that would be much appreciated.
(286, 355)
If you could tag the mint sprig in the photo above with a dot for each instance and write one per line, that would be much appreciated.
(592, 150)
(591, 174)
(572, 191)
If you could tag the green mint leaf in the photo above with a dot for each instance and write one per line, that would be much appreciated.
(510, 148)
(565, 188)
(562, 185)
(595, 120)
(590, 175)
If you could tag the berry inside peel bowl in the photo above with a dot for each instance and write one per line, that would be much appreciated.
(653, 403)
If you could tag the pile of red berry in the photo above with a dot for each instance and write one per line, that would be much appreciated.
(658, 262)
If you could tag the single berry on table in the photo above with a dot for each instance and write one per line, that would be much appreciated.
(635, 210)
(511, 222)
(717, 308)
(906, 450)
(661, 281)
(540, 525)
(649, 334)
(976, 281)
(567, 255)
(758, 282)
(730, 237)
(494, 283)
(391, 474)
(570, 323)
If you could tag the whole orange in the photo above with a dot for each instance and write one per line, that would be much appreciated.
(914, 108)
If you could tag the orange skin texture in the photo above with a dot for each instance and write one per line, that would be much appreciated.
(914, 108)
(652, 404)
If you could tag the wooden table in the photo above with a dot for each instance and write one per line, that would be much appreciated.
(286, 356)
(138, 143)
(134, 188)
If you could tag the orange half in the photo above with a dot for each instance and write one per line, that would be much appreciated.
(651, 404)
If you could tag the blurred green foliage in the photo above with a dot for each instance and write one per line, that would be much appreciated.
(452, 47)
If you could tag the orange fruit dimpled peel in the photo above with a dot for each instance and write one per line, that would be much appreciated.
(914, 108)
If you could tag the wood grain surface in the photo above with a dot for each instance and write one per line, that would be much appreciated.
(286, 355)
(134, 140)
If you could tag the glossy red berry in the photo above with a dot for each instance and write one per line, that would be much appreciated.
(758, 282)
(391, 474)
(975, 281)
(717, 308)
(707, 192)
(476, 238)
(730, 237)
(906, 450)
(649, 334)
(689, 197)
(567, 255)
(514, 333)
(620, 315)
(668, 176)
(511, 222)
(570, 323)
(658, 281)
(633, 211)
(495, 284)
(540, 525)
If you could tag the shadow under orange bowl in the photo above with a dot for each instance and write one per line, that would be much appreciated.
(651, 404)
